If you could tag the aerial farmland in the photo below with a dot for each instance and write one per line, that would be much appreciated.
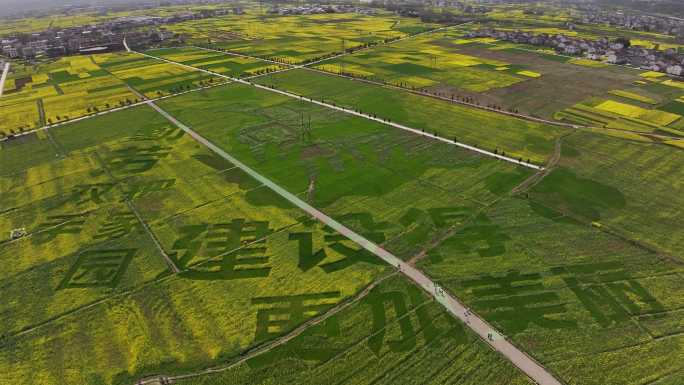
(264, 193)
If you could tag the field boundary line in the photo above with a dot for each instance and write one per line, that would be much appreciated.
(106, 112)
(169, 262)
(359, 114)
(517, 357)
(5, 71)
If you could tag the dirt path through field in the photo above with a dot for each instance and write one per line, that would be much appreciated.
(541, 174)
(270, 345)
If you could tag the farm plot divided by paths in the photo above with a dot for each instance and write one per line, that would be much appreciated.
(363, 80)
(518, 162)
(521, 360)
(86, 247)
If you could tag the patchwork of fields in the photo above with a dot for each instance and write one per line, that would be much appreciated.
(106, 224)
(487, 130)
(431, 62)
(132, 252)
(297, 38)
(113, 209)
(76, 86)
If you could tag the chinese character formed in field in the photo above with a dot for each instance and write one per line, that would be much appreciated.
(118, 224)
(518, 301)
(318, 344)
(82, 194)
(309, 257)
(247, 262)
(449, 216)
(482, 236)
(277, 315)
(98, 268)
(238, 249)
(398, 304)
(167, 134)
(607, 291)
(396, 300)
(139, 190)
(56, 225)
(419, 226)
(135, 160)
(440, 217)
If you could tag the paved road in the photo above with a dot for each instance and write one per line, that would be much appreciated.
(5, 71)
(521, 360)
(359, 114)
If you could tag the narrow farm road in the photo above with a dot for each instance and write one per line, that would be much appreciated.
(359, 114)
(519, 358)
(530, 182)
(5, 71)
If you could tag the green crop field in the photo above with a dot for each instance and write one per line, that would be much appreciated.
(252, 199)
(87, 256)
(415, 189)
(590, 256)
(393, 335)
(62, 90)
(88, 245)
(484, 129)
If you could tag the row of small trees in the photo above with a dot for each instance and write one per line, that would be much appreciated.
(387, 120)
(453, 97)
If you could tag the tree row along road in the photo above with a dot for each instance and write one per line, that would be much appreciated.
(517, 357)
(5, 71)
(359, 114)
(426, 94)
(377, 83)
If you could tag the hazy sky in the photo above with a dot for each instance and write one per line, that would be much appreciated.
(8, 7)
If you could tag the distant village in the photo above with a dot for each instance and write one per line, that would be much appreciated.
(313, 9)
(618, 51)
(646, 23)
(103, 37)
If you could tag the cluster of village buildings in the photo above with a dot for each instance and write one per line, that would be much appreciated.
(647, 23)
(618, 51)
(312, 9)
(102, 37)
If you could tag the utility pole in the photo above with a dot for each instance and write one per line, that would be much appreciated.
(344, 46)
